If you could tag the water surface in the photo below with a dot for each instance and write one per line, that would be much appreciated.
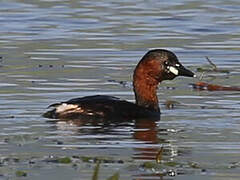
(54, 50)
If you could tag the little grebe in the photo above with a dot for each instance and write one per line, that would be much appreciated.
(155, 66)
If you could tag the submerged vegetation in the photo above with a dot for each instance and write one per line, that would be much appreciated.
(115, 176)
(211, 68)
(21, 173)
(201, 85)
(162, 166)
(65, 160)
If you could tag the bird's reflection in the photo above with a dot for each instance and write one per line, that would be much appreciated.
(144, 132)
(144, 135)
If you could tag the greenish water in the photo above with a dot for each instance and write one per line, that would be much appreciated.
(56, 50)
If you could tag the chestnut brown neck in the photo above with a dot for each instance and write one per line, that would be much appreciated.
(145, 88)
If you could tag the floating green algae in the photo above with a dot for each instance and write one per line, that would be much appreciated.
(114, 177)
(171, 164)
(21, 173)
(64, 160)
(149, 165)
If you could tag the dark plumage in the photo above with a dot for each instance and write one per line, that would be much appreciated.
(155, 66)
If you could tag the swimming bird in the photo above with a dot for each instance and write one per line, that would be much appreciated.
(155, 66)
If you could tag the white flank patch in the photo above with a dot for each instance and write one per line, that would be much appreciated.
(173, 70)
(65, 107)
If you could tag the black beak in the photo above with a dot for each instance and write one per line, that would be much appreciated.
(182, 71)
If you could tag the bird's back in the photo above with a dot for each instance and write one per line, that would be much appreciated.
(98, 106)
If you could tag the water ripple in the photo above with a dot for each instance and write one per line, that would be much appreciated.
(54, 50)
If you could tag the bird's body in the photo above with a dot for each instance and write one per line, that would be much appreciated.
(155, 66)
